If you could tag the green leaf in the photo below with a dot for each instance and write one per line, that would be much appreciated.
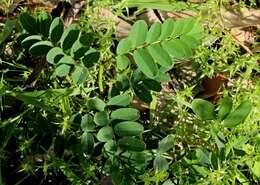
(40, 48)
(225, 107)
(69, 36)
(87, 142)
(178, 28)
(166, 143)
(129, 114)
(203, 109)
(91, 58)
(152, 85)
(138, 33)
(159, 55)
(101, 118)
(142, 93)
(190, 41)
(79, 75)
(56, 29)
(168, 182)
(43, 23)
(62, 70)
(54, 55)
(96, 104)
(28, 22)
(110, 147)
(188, 25)
(81, 46)
(120, 100)
(145, 63)
(29, 41)
(124, 46)
(128, 128)
(256, 169)
(87, 123)
(8, 28)
(167, 28)
(177, 49)
(239, 115)
(67, 60)
(122, 62)
(131, 144)
(163, 76)
(154, 33)
(137, 76)
(105, 134)
(160, 164)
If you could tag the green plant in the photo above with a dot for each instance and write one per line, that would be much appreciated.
(154, 51)
(78, 122)
(67, 50)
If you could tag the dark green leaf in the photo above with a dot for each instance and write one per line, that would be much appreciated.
(203, 109)
(91, 58)
(225, 107)
(128, 128)
(101, 118)
(131, 144)
(28, 22)
(96, 104)
(87, 142)
(152, 85)
(29, 41)
(120, 100)
(239, 115)
(81, 46)
(142, 93)
(40, 48)
(105, 134)
(137, 76)
(43, 23)
(138, 33)
(145, 63)
(69, 36)
(54, 55)
(87, 123)
(56, 29)
(129, 114)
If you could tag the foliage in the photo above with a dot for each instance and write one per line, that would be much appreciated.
(68, 98)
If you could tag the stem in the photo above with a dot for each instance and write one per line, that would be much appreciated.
(100, 79)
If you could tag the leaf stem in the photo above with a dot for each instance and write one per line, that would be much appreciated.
(100, 79)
